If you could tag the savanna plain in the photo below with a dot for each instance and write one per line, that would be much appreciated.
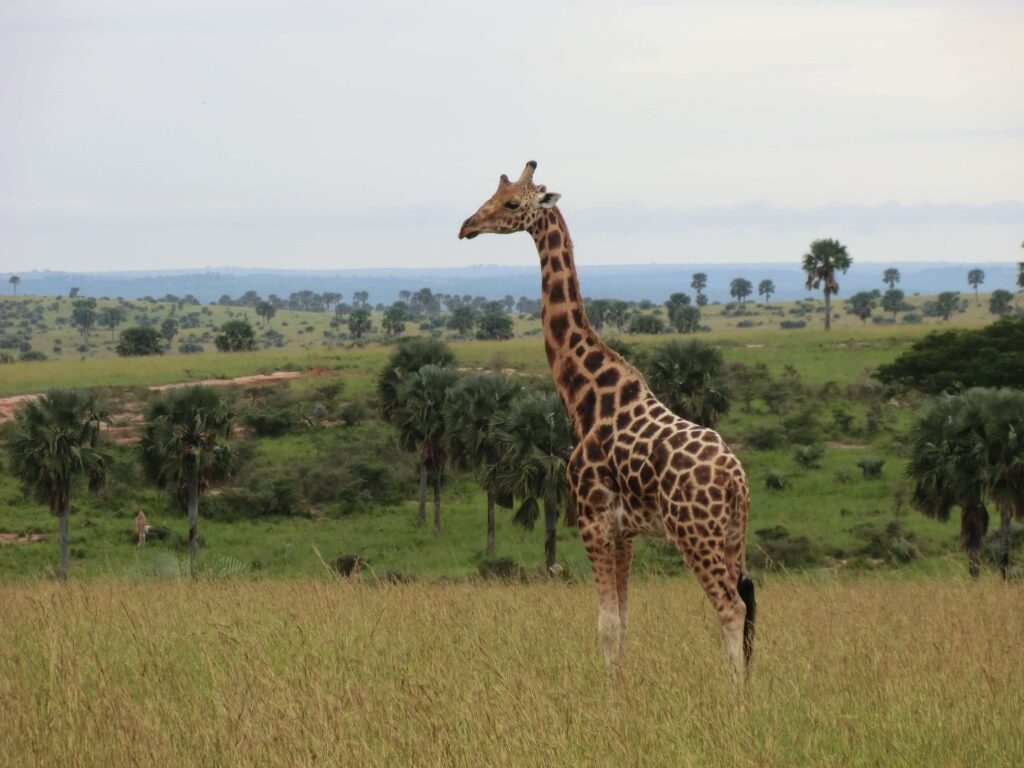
(873, 646)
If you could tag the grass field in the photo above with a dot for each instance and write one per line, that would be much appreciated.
(862, 672)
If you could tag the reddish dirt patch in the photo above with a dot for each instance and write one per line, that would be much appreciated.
(20, 538)
(128, 416)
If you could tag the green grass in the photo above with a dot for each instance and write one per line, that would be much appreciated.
(861, 672)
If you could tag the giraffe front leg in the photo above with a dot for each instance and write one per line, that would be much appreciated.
(599, 542)
(623, 563)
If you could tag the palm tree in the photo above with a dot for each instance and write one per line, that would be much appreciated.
(699, 283)
(975, 278)
(420, 417)
(821, 263)
(946, 474)
(891, 277)
(766, 288)
(54, 442)
(472, 406)
(682, 374)
(183, 446)
(965, 450)
(14, 280)
(535, 443)
(995, 420)
(409, 356)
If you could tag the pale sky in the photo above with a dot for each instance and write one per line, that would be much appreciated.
(308, 134)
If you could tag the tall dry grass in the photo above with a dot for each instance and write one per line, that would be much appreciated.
(868, 672)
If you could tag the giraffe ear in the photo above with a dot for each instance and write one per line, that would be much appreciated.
(547, 199)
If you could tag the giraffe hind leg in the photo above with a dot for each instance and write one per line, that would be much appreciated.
(705, 556)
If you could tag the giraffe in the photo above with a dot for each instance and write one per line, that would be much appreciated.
(637, 468)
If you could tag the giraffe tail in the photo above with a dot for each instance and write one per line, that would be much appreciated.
(746, 590)
(744, 585)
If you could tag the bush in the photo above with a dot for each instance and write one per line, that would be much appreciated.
(263, 497)
(32, 356)
(349, 565)
(789, 325)
(777, 548)
(190, 348)
(892, 545)
(808, 456)
(912, 318)
(774, 480)
(842, 476)
(766, 438)
(139, 342)
(871, 466)
(501, 569)
(270, 421)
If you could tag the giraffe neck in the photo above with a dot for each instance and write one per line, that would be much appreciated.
(575, 352)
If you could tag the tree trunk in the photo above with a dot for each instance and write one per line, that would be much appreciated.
(421, 517)
(828, 310)
(1004, 531)
(193, 523)
(490, 523)
(62, 532)
(437, 502)
(550, 528)
(973, 525)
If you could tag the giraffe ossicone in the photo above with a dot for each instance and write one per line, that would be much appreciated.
(637, 468)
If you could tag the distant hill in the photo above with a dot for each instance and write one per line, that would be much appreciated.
(631, 282)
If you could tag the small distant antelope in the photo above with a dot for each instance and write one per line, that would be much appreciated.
(141, 529)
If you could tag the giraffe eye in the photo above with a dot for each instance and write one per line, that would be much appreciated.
(511, 205)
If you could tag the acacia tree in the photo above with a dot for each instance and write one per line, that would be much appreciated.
(891, 278)
(55, 441)
(821, 263)
(535, 443)
(473, 405)
(975, 278)
(14, 280)
(766, 288)
(184, 446)
(892, 301)
(861, 305)
(111, 317)
(83, 316)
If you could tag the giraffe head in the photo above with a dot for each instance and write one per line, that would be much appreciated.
(514, 207)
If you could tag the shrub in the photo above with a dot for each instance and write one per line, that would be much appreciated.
(789, 325)
(842, 476)
(766, 438)
(808, 456)
(32, 356)
(349, 565)
(776, 547)
(774, 480)
(871, 466)
(139, 342)
(270, 421)
(501, 569)
(190, 348)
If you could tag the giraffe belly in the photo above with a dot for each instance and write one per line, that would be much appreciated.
(642, 521)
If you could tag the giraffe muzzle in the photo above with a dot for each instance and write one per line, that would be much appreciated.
(467, 231)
